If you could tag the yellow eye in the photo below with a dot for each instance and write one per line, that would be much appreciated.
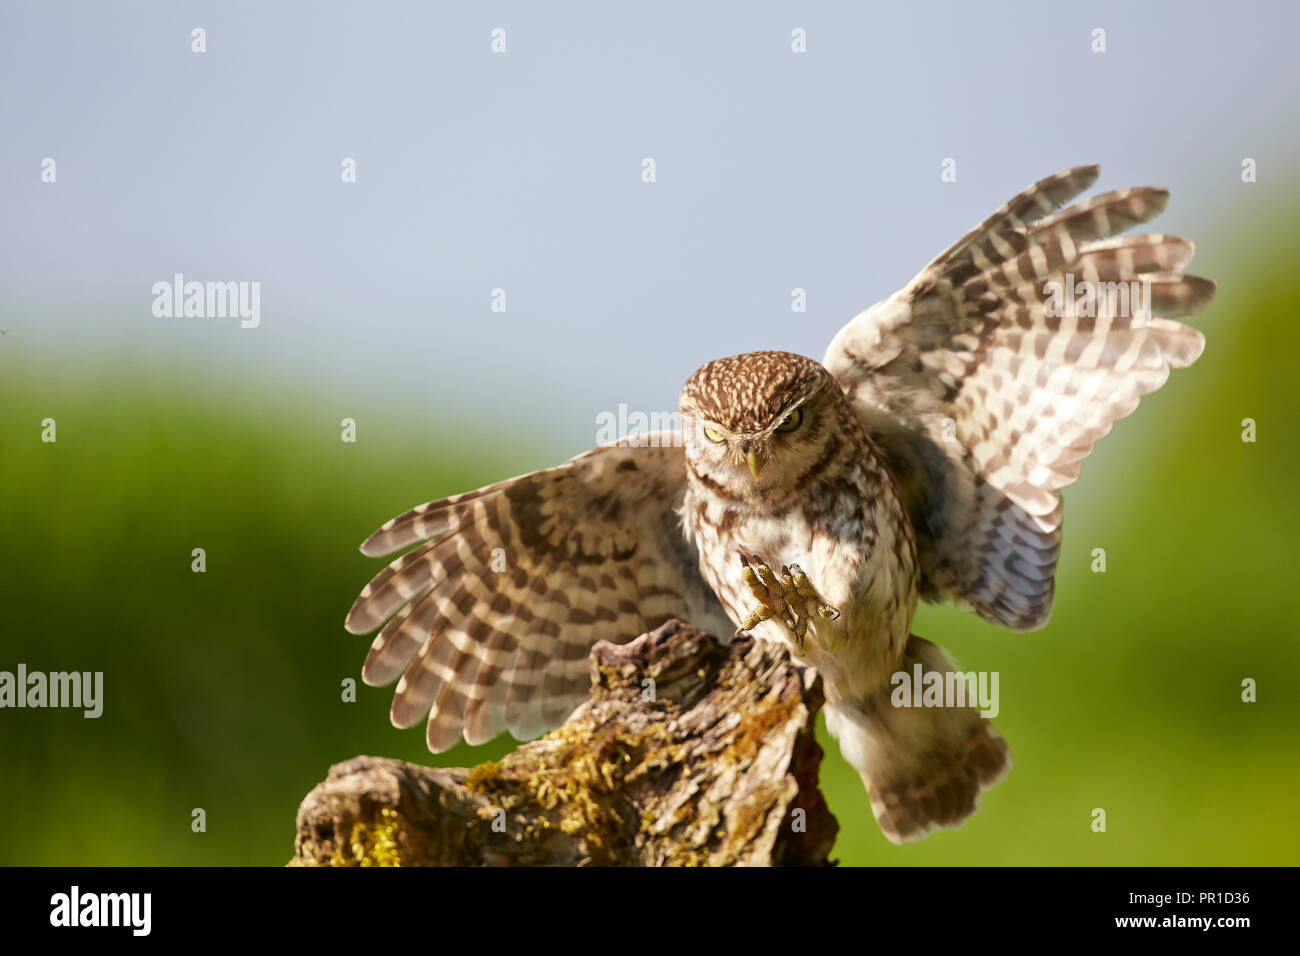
(791, 421)
(713, 435)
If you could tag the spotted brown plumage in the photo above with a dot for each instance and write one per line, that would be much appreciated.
(924, 458)
(745, 392)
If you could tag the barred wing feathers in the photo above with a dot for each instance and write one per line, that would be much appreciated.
(985, 396)
(491, 617)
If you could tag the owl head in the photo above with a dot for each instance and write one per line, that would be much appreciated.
(757, 423)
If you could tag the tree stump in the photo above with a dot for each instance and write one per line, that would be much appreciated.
(688, 752)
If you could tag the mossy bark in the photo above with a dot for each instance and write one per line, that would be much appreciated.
(687, 753)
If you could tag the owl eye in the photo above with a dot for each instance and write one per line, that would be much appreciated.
(791, 421)
(714, 435)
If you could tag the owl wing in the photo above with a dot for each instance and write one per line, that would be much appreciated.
(491, 618)
(985, 397)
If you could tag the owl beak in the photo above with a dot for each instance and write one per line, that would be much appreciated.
(755, 462)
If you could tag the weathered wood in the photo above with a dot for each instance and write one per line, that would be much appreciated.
(688, 752)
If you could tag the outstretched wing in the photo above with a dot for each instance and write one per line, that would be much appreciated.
(491, 618)
(987, 380)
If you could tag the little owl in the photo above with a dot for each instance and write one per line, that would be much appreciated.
(924, 457)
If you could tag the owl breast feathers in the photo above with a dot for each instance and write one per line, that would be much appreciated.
(981, 385)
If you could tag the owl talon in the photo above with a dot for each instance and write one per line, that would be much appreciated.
(788, 597)
(771, 593)
(813, 605)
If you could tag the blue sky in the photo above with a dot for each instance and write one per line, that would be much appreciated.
(522, 171)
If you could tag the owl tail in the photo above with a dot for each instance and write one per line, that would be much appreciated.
(923, 767)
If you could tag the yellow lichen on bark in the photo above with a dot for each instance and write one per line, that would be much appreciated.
(372, 843)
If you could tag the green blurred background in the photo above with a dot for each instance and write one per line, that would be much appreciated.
(223, 689)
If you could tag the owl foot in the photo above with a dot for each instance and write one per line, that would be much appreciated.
(768, 589)
(812, 604)
(788, 597)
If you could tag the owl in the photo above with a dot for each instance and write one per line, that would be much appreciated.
(814, 504)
